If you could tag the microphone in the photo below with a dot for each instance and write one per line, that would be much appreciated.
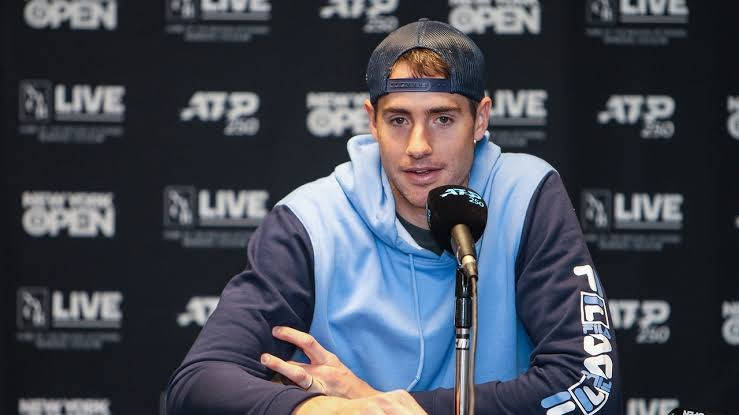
(457, 216)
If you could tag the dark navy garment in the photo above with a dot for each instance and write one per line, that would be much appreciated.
(222, 375)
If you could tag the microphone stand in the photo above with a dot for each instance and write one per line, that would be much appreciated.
(465, 323)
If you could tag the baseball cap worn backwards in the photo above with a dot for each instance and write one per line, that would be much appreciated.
(465, 60)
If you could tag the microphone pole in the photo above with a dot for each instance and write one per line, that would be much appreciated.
(465, 322)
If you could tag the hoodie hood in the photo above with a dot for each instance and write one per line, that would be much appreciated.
(366, 185)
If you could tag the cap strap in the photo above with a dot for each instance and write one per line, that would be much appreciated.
(418, 85)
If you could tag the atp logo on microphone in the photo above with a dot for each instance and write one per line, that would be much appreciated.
(472, 197)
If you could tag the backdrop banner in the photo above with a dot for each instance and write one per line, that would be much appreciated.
(143, 143)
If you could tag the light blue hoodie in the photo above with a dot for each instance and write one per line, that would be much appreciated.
(383, 304)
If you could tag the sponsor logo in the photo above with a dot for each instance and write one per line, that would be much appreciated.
(212, 218)
(334, 114)
(471, 196)
(502, 17)
(636, 22)
(74, 14)
(648, 316)
(653, 406)
(732, 123)
(236, 109)
(68, 320)
(197, 311)
(591, 392)
(631, 221)
(653, 112)
(79, 113)
(218, 20)
(730, 328)
(78, 214)
(518, 117)
(67, 406)
(377, 15)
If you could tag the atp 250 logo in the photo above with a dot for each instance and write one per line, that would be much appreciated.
(654, 112)
(236, 109)
(378, 15)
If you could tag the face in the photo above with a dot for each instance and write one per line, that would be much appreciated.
(426, 140)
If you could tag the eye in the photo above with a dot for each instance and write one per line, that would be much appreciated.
(398, 121)
(444, 120)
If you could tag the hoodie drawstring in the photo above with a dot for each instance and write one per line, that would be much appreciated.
(422, 356)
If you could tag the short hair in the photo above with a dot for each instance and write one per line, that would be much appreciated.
(423, 62)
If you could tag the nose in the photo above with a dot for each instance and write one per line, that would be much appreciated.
(418, 143)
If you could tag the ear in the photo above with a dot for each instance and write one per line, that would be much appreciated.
(371, 115)
(482, 117)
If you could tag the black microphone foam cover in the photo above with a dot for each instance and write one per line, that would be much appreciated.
(448, 206)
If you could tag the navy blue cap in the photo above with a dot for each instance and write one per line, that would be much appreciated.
(465, 60)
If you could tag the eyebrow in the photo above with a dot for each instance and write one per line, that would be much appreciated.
(430, 111)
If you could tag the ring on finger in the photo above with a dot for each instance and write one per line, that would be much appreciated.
(310, 385)
(316, 386)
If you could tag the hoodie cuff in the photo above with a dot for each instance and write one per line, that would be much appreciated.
(287, 400)
(426, 400)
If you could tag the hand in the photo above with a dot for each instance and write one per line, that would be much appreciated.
(325, 373)
(397, 402)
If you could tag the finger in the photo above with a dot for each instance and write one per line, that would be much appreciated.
(406, 400)
(295, 373)
(315, 352)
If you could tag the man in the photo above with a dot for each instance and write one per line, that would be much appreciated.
(345, 271)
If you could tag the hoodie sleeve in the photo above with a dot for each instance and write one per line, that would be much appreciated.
(222, 374)
(573, 368)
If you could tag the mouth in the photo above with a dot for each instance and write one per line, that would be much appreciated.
(423, 175)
